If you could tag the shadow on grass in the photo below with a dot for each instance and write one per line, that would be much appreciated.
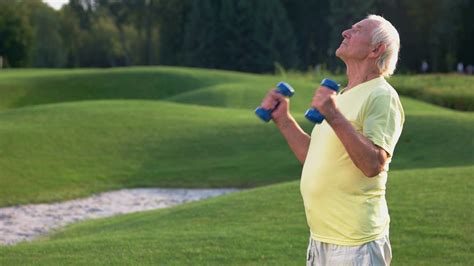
(232, 158)
(149, 84)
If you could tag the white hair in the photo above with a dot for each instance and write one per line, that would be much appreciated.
(386, 33)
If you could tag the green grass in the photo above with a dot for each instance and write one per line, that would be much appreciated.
(70, 133)
(74, 149)
(452, 91)
(265, 226)
(20, 88)
(70, 150)
(431, 221)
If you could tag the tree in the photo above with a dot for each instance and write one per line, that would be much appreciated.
(393, 11)
(244, 35)
(274, 34)
(93, 36)
(342, 14)
(72, 35)
(145, 15)
(200, 36)
(172, 28)
(15, 34)
(466, 33)
(240, 35)
(309, 19)
(84, 10)
(119, 11)
(47, 47)
(432, 34)
(100, 46)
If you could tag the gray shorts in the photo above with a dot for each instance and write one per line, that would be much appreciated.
(374, 253)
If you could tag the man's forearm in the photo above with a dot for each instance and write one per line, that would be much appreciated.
(365, 155)
(297, 139)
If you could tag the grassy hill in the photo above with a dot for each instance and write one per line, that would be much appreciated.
(70, 133)
(452, 91)
(431, 225)
(74, 149)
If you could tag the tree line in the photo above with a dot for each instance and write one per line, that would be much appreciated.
(243, 35)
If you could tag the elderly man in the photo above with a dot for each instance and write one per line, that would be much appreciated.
(346, 157)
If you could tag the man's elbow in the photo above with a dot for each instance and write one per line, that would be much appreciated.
(377, 165)
(373, 170)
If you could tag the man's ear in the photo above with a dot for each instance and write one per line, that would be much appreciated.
(377, 50)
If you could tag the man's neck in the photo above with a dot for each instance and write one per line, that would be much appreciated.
(358, 73)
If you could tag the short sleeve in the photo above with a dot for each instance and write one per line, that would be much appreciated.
(383, 120)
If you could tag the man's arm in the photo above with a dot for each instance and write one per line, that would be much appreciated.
(294, 135)
(368, 157)
(297, 139)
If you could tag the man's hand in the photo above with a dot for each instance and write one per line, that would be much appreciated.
(324, 101)
(276, 100)
(297, 139)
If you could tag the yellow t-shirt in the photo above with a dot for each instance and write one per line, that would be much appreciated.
(342, 205)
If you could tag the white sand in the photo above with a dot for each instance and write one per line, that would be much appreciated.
(25, 222)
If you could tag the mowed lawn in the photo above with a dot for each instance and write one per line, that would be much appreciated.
(70, 133)
(430, 212)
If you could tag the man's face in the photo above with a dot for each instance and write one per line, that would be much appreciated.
(357, 40)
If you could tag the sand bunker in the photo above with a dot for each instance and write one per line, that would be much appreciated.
(25, 222)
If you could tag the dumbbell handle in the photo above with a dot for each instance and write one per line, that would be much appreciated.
(283, 88)
(313, 114)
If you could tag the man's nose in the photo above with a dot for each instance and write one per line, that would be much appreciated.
(346, 34)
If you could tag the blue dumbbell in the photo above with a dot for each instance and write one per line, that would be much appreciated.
(282, 88)
(313, 114)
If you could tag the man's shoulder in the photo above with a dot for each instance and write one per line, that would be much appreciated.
(383, 88)
(384, 97)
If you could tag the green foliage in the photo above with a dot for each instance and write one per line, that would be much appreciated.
(100, 47)
(466, 33)
(71, 34)
(47, 45)
(172, 31)
(309, 19)
(239, 35)
(242, 35)
(15, 34)
(119, 11)
(433, 33)
(200, 37)
(453, 91)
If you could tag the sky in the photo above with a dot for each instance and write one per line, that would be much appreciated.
(56, 4)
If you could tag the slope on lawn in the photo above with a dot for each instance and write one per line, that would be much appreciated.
(430, 225)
